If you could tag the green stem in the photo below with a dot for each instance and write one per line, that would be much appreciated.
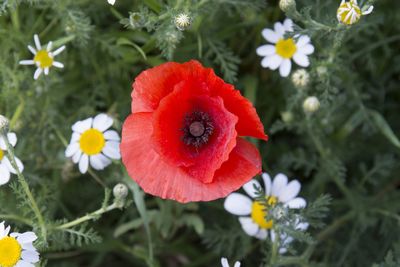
(17, 218)
(90, 216)
(15, 19)
(25, 187)
(334, 226)
(275, 249)
(325, 155)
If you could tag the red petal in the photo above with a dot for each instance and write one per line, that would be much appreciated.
(152, 85)
(159, 178)
(201, 162)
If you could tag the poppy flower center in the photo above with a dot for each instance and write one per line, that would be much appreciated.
(198, 127)
(258, 212)
(10, 252)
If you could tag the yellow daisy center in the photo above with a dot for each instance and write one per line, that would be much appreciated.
(258, 213)
(286, 48)
(92, 142)
(345, 9)
(44, 59)
(1, 154)
(10, 252)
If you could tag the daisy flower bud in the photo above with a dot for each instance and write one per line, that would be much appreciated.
(300, 78)
(4, 124)
(287, 5)
(350, 12)
(287, 116)
(182, 21)
(311, 104)
(120, 191)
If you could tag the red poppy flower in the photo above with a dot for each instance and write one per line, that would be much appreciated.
(183, 138)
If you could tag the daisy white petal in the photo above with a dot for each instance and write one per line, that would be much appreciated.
(72, 149)
(262, 234)
(58, 50)
(368, 11)
(27, 62)
(290, 191)
(249, 226)
(265, 50)
(102, 122)
(267, 183)
(58, 64)
(297, 203)
(28, 246)
(301, 59)
(49, 45)
(75, 137)
(288, 24)
(46, 71)
(84, 163)
(4, 176)
(308, 49)
(27, 237)
(23, 263)
(237, 264)
(280, 181)
(37, 42)
(111, 2)
(285, 67)
(270, 36)
(279, 28)
(37, 73)
(77, 156)
(111, 135)
(33, 50)
(265, 61)
(106, 161)
(250, 186)
(302, 41)
(275, 62)
(30, 256)
(111, 149)
(9, 166)
(224, 262)
(81, 126)
(96, 162)
(238, 204)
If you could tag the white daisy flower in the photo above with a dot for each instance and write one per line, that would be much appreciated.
(5, 165)
(93, 143)
(225, 263)
(43, 57)
(349, 12)
(17, 249)
(282, 50)
(252, 213)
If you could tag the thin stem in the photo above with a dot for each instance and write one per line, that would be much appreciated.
(334, 226)
(17, 218)
(89, 216)
(275, 249)
(25, 187)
